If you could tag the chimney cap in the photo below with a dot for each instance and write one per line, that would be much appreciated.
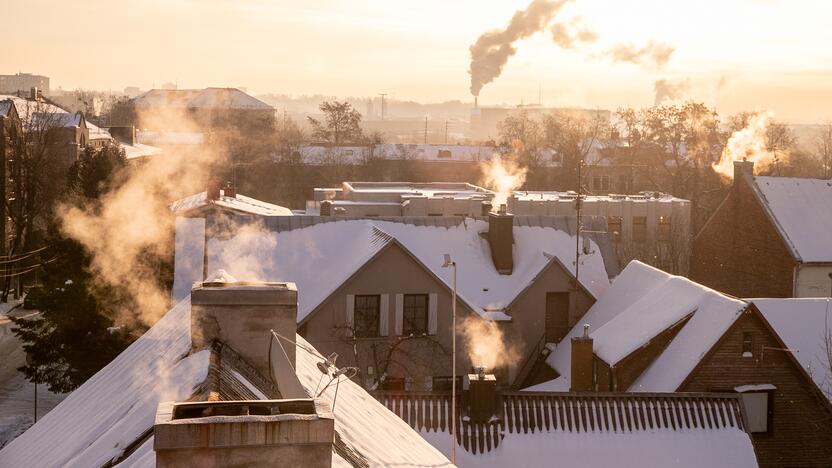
(586, 331)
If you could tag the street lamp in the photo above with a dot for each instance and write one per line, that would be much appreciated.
(452, 264)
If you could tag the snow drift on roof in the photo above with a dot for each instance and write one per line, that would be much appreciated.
(641, 303)
(111, 410)
(240, 203)
(801, 323)
(803, 215)
(319, 258)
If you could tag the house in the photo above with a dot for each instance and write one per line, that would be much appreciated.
(185, 391)
(770, 237)
(514, 273)
(654, 332)
(209, 109)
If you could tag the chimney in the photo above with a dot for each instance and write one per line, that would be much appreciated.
(34, 93)
(742, 168)
(213, 192)
(296, 432)
(501, 240)
(483, 399)
(240, 314)
(582, 362)
(229, 190)
(124, 134)
(326, 208)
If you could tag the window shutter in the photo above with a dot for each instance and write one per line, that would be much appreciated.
(432, 319)
(399, 313)
(350, 313)
(383, 315)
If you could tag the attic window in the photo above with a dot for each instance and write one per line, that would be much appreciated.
(747, 344)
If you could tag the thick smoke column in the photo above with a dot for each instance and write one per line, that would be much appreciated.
(748, 144)
(493, 49)
(667, 90)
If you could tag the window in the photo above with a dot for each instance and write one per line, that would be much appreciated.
(601, 182)
(664, 229)
(639, 228)
(366, 316)
(446, 154)
(614, 227)
(747, 344)
(415, 314)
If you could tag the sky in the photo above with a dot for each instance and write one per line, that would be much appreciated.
(733, 54)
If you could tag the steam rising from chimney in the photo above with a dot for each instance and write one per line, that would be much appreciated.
(486, 344)
(492, 50)
(667, 90)
(654, 52)
(748, 144)
(503, 177)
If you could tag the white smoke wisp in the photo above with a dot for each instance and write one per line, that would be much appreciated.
(668, 90)
(653, 53)
(246, 254)
(486, 344)
(503, 177)
(567, 36)
(133, 223)
(747, 144)
(492, 50)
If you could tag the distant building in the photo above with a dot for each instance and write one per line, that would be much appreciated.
(180, 110)
(770, 237)
(23, 83)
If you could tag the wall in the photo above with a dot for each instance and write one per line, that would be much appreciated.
(739, 251)
(801, 432)
(813, 280)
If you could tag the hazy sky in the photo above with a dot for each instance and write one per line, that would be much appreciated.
(736, 54)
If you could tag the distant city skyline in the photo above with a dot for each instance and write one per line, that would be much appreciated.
(734, 55)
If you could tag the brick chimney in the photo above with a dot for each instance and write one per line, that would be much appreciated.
(583, 379)
(240, 314)
(229, 190)
(296, 432)
(326, 208)
(501, 240)
(483, 399)
(743, 168)
(213, 192)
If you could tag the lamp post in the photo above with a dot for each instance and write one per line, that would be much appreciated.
(452, 264)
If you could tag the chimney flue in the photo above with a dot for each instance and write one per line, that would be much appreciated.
(213, 192)
(483, 400)
(743, 168)
(583, 376)
(501, 240)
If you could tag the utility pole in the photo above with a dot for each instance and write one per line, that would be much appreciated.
(382, 104)
(578, 227)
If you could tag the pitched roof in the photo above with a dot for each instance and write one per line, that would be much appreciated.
(801, 212)
(208, 98)
(641, 303)
(115, 410)
(804, 325)
(240, 204)
(321, 256)
(533, 429)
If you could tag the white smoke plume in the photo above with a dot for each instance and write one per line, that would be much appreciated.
(492, 50)
(747, 144)
(503, 177)
(653, 53)
(486, 343)
(668, 90)
(569, 35)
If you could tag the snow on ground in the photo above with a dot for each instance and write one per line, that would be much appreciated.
(640, 303)
(16, 393)
(714, 448)
(801, 208)
(801, 323)
(327, 254)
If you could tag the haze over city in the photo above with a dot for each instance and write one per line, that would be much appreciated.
(734, 55)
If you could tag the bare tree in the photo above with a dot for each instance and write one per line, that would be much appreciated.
(824, 150)
(523, 137)
(574, 136)
(342, 124)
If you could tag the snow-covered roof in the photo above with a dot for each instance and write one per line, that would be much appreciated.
(321, 257)
(208, 98)
(641, 303)
(801, 211)
(138, 150)
(239, 204)
(598, 430)
(169, 138)
(116, 408)
(804, 325)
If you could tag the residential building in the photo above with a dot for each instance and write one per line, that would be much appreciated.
(215, 392)
(770, 237)
(11, 134)
(202, 110)
(654, 332)
(23, 83)
(375, 292)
